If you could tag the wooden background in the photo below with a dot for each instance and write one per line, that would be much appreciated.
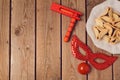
(32, 46)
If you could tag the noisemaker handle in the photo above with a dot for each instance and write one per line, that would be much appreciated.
(69, 31)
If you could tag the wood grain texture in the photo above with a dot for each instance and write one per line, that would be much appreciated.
(97, 74)
(22, 40)
(70, 63)
(4, 39)
(48, 41)
(116, 69)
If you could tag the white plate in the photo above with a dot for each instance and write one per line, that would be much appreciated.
(96, 12)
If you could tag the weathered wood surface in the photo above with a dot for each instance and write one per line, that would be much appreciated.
(32, 46)
(4, 39)
(48, 42)
(22, 40)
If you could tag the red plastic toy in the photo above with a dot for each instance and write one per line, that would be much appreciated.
(90, 56)
(75, 15)
(84, 68)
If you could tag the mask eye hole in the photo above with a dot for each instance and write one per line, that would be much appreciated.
(99, 60)
(82, 51)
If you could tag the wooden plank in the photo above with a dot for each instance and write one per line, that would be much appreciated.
(48, 41)
(4, 39)
(23, 40)
(116, 68)
(69, 63)
(97, 74)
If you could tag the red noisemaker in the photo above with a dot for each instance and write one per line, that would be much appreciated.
(75, 15)
(90, 56)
